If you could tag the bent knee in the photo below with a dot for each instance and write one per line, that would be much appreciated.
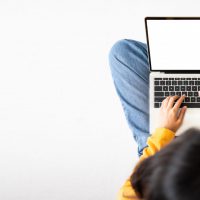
(118, 54)
(118, 49)
(123, 51)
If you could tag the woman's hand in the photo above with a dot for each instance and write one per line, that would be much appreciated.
(170, 117)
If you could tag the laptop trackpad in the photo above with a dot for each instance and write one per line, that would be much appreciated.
(191, 120)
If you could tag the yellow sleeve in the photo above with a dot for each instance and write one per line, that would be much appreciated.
(155, 142)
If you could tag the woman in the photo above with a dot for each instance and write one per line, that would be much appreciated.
(168, 167)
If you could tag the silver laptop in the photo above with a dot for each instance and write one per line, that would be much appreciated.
(174, 58)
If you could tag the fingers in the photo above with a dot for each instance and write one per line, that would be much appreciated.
(182, 114)
(178, 103)
(171, 101)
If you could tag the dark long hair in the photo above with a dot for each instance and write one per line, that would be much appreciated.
(173, 173)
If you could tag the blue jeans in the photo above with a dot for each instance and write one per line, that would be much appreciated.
(130, 72)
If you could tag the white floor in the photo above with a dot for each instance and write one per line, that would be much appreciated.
(63, 134)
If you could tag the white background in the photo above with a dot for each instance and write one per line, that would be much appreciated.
(63, 134)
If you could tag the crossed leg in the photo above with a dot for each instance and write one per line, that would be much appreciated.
(130, 72)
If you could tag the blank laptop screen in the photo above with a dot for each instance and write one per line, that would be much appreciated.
(174, 44)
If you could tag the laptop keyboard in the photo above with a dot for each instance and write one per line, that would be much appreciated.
(189, 87)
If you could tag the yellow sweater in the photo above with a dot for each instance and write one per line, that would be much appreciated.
(155, 142)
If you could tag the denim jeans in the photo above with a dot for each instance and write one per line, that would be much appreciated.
(130, 72)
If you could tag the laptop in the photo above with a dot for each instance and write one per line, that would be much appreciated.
(174, 59)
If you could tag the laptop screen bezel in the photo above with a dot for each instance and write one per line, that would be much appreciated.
(148, 45)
